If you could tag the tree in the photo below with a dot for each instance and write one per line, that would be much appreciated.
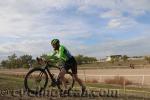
(93, 59)
(4, 63)
(18, 62)
(125, 58)
(79, 59)
(147, 58)
(112, 59)
(12, 61)
(25, 59)
(12, 57)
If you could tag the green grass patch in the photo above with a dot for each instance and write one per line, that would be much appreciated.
(109, 86)
(10, 82)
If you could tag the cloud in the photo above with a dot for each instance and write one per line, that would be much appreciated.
(119, 13)
(111, 14)
(114, 23)
(136, 8)
(28, 30)
(22, 17)
(27, 26)
(122, 23)
(132, 7)
(131, 47)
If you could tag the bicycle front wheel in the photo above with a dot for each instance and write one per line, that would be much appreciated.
(36, 80)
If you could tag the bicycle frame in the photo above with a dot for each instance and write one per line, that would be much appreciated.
(46, 68)
(49, 75)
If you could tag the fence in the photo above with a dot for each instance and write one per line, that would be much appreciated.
(140, 89)
(101, 78)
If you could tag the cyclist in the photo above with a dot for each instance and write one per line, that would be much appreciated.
(68, 62)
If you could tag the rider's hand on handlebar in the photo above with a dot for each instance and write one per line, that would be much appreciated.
(40, 61)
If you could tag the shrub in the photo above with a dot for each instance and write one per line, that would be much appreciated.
(118, 80)
(92, 81)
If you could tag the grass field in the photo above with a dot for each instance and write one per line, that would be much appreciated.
(94, 76)
(11, 82)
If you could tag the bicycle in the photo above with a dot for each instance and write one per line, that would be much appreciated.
(36, 80)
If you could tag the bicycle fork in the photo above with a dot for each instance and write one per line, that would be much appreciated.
(54, 81)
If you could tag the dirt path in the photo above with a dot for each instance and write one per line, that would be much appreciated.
(141, 76)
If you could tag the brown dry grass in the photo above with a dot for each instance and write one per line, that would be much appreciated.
(92, 81)
(118, 80)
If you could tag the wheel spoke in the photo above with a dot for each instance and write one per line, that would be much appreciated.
(36, 80)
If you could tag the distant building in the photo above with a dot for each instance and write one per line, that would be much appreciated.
(102, 60)
(136, 58)
(109, 58)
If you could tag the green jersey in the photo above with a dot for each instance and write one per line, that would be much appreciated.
(62, 53)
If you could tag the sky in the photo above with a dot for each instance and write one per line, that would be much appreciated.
(96, 28)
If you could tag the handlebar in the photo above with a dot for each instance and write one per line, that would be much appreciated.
(49, 63)
(42, 61)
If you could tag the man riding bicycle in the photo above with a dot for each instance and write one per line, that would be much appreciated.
(67, 62)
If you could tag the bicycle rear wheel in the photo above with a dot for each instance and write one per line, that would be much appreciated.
(36, 80)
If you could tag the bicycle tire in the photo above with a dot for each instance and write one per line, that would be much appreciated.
(26, 85)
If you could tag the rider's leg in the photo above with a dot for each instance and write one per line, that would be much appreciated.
(61, 76)
(75, 76)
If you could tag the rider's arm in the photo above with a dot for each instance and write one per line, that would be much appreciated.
(51, 55)
(61, 54)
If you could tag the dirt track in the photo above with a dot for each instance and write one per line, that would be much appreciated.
(141, 76)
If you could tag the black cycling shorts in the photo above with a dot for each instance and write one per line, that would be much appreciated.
(71, 64)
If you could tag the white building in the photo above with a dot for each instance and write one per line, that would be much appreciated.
(109, 58)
